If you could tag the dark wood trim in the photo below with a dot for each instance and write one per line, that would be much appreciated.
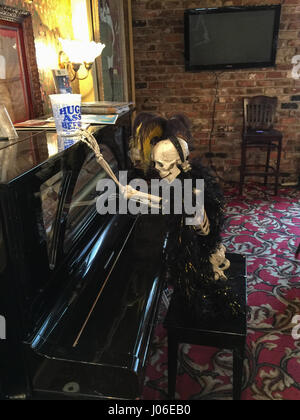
(11, 14)
(127, 13)
(94, 6)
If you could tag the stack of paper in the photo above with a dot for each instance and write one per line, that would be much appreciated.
(105, 107)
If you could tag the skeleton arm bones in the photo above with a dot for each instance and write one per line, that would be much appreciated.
(131, 194)
(218, 259)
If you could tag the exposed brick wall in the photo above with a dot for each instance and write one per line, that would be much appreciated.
(163, 86)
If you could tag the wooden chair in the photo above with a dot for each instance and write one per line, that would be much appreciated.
(258, 133)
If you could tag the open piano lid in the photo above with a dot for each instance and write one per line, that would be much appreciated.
(110, 278)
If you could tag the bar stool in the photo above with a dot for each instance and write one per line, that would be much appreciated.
(258, 133)
(213, 332)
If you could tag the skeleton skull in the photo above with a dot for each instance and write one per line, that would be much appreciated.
(167, 159)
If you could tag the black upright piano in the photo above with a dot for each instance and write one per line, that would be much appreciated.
(79, 290)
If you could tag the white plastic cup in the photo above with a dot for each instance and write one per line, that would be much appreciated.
(67, 113)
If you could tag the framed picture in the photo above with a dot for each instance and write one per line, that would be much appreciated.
(61, 81)
(112, 25)
(14, 86)
(20, 90)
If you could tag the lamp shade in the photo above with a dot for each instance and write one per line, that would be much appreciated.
(81, 51)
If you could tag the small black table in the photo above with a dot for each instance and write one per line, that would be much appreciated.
(213, 331)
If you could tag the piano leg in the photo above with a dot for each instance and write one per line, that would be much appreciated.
(173, 345)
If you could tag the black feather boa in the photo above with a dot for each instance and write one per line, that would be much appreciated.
(188, 254)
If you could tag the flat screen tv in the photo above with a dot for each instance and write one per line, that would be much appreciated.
(231, 37)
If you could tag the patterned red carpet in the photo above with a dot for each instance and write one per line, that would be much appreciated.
(267, 230)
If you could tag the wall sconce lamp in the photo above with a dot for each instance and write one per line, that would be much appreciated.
(74, 54)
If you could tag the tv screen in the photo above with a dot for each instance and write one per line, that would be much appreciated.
(231, 37)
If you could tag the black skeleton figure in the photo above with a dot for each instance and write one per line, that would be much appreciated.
(196, 258)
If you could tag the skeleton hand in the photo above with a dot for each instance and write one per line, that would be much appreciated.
(130, 193)
(219, 262)
(200, 222)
